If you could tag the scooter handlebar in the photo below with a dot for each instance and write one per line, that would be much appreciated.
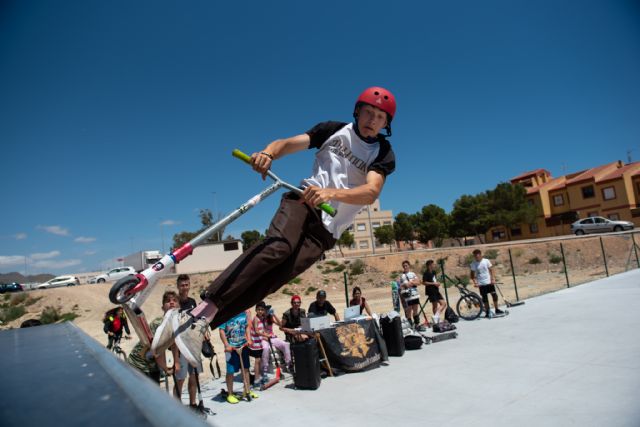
(245, 158)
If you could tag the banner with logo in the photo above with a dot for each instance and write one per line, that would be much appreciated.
(352, 347)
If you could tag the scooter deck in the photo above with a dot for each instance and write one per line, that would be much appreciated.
(440, 337)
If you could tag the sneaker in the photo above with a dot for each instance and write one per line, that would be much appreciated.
(189, 334)
(252, 394)
(164, 336)
(490, 315)
(421, 328)
(232, 398)
(498, 311)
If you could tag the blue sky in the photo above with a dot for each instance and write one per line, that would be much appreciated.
(116, 117)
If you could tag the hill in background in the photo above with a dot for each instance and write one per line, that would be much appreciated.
(19, 278)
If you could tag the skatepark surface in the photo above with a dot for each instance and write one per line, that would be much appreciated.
(562, 359)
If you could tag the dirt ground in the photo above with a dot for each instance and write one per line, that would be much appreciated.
(533, 276)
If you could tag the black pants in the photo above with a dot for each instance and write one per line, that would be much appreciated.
(295, 240)
(113, 338)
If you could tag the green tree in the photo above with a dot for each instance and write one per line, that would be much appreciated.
(206, 220)
(509, 206)
(470, 217)
(250, 237)
(346, 239)
(404, 228)
(432, 223)
(384, 234)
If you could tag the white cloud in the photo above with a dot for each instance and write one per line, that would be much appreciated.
(54, 229)
(56, 264)
(11, 260)
(89, 253)
(44, 255)
(82, 239)
(20, 236)
(169, 222)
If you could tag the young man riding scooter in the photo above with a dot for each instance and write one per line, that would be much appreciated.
(351, 165)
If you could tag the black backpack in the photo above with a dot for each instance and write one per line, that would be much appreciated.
(450, 315)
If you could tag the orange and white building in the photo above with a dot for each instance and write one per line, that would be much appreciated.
(611, 190)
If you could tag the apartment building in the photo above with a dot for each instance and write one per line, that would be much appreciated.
(611, 190)
(366, 221)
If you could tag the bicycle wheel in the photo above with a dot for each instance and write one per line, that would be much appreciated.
(469, 307)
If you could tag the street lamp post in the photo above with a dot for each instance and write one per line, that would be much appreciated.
(373, 242)
(215, 214)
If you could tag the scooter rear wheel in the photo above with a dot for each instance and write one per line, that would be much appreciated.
(118, 292)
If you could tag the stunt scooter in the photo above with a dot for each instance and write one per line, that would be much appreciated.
(133, 290)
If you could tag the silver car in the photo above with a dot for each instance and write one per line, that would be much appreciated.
(59, 281)
(115, 274)
(598, 224)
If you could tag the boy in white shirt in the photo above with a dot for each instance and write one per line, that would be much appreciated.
(484, 279)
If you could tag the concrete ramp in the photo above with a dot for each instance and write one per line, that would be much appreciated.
(56, 375)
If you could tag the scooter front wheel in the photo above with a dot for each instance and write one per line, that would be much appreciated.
(119, 291)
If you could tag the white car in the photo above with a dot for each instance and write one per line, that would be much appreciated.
(59, 281)
(115, 274)
(598, 224)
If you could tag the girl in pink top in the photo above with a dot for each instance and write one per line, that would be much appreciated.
(266, 317)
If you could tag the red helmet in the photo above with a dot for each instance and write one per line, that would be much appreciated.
(379, 97)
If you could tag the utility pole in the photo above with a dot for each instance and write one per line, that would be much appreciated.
(215, 213)
(373, 242)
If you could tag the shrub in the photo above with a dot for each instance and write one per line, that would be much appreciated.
(468, 259)
(394, 274)
(18, 298)
(69, 317)
(517, 253)
(310, 289)
(7, 296)
(11, 313)
(49, 315)
(339, 268)
(295, 280)
(287, 291)
(464, 279)
(535, 260)
(327, 271)
(491, 254)
(332, 262)
(357, 267)
(555, 259)
(325, 281)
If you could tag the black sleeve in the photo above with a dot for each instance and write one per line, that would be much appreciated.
(107, 326)
(330, 308)
(312, 307)
(125, 324)
(385, 162)
(322, 131)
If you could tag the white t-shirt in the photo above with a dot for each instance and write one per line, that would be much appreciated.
(481, 269)
(405, 278)
(343, 161)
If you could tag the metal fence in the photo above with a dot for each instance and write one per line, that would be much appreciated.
(534, 268)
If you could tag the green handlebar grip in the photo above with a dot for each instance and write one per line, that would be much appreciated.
(328, 209)
(240, 155)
